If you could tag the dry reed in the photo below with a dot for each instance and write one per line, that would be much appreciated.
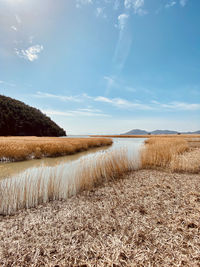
(173, 154)
(23, 148)
(42, 185)
(149, 218)
(186, 162)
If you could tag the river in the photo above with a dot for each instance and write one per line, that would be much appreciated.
(13, 169)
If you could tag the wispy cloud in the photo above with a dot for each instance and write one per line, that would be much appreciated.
(31, 53)
(123, 103)
(76, 113)
(79, 3)
(153, 105)
(183, 2)
(110, 81)
(100, 12)
(7, 83)
(120, 103)
(124, 43)
(76, 98)
(136, 5)
(170, 4)
(122, 20)
(114, 82)
(181, 106)
(14, 28)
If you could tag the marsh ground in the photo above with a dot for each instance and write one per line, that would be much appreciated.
(148, 218)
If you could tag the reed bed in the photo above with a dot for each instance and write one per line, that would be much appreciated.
(41, 185)
(186, 162)
(23, 148)
(173, 154)
(149, 218)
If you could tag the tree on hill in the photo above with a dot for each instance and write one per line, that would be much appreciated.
(19, 119)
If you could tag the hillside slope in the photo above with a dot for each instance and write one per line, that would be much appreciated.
(19, 119)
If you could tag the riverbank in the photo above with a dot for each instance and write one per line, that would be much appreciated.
(147, 218)
(25, 148)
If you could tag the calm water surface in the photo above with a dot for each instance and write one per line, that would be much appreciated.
(131, 145)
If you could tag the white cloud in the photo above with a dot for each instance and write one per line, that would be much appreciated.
(123, 103)
(170, 4)
(153, 105)
(79, 3)
(183, 2)
(14, 28)
(181, 106)
(30, 53)
(7, 83)
(77, 113)
(137, 6)
(76, 98)
(122, 20)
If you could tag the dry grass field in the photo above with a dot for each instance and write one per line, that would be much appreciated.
(148, 218)
(174, 154)
(22, 148)
(119, 218)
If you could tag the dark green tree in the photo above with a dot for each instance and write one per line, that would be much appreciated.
(19, 119)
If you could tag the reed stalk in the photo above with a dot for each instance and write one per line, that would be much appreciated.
(44, 184)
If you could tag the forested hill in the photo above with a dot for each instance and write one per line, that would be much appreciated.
(17, 118)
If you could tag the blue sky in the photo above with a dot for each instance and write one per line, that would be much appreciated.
(104, 66)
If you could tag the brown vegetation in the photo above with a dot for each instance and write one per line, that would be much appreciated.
(149, 218)
(42, 185)
(22, 148)
(173, 154)
(187, 162)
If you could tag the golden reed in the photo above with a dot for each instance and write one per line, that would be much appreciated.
(45, 184)
(23, 148)
(173, 154)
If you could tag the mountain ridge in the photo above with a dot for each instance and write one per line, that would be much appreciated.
(156, 132)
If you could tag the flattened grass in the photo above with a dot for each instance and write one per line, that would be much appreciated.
(149, 218)
(23, 148)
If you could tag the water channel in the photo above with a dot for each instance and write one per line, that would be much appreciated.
(13, 169)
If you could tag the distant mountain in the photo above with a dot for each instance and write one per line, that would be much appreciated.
(197, 132)
(163, 132)
(136, 132)
(156, 132)
(19, 119)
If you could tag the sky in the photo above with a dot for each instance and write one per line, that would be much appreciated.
(104, 66)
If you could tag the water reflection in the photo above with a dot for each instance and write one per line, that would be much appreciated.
(12, 169)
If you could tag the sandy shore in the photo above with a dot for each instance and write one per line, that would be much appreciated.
(149, 218)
